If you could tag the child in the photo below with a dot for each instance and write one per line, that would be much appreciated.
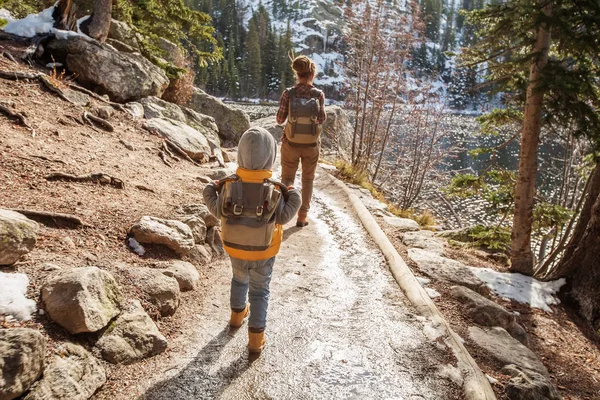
(303, 106)
(253, 210)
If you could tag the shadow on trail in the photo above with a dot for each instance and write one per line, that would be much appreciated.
(290, 231)
(195, 380)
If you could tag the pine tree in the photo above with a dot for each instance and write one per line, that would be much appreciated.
(543, 56)
(253, 61)
(284, 50)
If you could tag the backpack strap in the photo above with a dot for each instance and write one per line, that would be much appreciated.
(284, 189)
(293, 120)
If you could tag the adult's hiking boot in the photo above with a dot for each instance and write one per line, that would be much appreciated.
(237, 318)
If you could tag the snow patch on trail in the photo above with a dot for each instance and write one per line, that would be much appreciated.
(12, 296)
(521, 288)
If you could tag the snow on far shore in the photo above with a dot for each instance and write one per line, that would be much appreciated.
(521, 288)
(12, 296)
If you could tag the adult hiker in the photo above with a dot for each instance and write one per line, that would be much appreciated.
(304, 108)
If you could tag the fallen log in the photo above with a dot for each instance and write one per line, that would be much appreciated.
(101, 178)
(52, 219)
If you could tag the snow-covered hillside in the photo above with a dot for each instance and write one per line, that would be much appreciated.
(316, 27)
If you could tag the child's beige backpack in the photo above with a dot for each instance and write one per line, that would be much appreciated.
(248, 212)
(302, 127)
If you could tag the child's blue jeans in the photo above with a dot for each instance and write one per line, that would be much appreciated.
(250, 282)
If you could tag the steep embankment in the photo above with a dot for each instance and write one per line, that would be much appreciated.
(62, 142)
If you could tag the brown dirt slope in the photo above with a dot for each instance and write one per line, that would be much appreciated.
(61, 144)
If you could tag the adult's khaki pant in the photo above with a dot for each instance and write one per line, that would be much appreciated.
(291, 156)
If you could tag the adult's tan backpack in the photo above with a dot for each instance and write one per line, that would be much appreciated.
(302, 127)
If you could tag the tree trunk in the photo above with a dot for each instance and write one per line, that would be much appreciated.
(567, 266)
(521, 254)
(64, 15)
(584, 264)
(98, 25)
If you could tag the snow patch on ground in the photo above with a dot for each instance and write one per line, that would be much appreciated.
(32, 25)
(432, 293)
(136, 247)
(12, 296)
(5, 14)
(41, 23)
(521, 288)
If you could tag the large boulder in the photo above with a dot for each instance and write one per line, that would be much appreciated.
(446, 269)
(162, 290)
(402, 224)
(22, 352)
(200, 255)
(270, 124)
(185, 273)
(208, 127)
(121, 32)
(174, 234)
(18, 236)
(122, 76)
(231, 122)
(158, 108)
(202, 211)
(74, 374)
(82, 299)
(423, 240)
(172, 52)
(192, 142)
(487, 313)
(215, 241)
(197, 225)
(505, 349)
(528, 385)
(131, 337)
(337, 131)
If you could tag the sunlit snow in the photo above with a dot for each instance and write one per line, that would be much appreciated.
(521, 288)
(12, 296)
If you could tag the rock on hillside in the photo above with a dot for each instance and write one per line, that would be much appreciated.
(22, 352)
(122, 76)
(82, 299)
(192, 142)
(131, 337)
(231, 122)
(73, 374)
(174, 234)
(18, 236)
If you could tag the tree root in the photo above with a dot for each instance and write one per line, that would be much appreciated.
(53, 88)
(144, 188)
(163, 157)
(96, 96)
(92, 119)
(165, 148)
(9, 56)
(6, 110)
(52, 219)
(180, 152)
(102, 178)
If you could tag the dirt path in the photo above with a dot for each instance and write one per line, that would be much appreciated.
(338, 326)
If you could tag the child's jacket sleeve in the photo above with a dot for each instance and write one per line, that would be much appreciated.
(288, 208)
(211, 199)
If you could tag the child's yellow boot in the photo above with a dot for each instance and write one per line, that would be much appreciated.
(237, 318)
(256, 341)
